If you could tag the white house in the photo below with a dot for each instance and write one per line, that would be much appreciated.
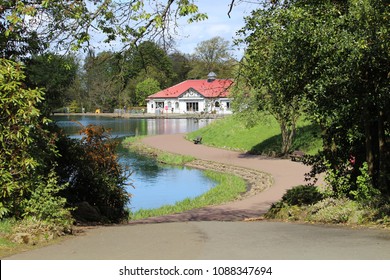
(191, 96)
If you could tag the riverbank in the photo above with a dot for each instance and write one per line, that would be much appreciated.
(228, 185)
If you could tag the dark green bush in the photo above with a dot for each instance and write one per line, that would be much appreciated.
(302, 195)
(91, 169)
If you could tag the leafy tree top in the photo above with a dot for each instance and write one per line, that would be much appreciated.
(27, 26)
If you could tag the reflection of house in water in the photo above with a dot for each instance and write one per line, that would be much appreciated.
(209, 95)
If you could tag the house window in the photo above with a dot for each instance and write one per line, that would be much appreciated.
(227, 105)
(159, 104)
(217, 104)
(177, 105)
(192, 106)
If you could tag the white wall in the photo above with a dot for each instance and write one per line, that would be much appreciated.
(223, 109)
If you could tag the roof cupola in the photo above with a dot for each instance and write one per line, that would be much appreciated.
(211, 77)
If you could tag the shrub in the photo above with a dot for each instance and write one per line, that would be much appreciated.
(90, 167)
(332, 210)
(283, 211)
(33, 231)
(302, 195)
(365, 191)
(46, 205)
(26, 147)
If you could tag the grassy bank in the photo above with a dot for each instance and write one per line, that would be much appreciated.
(264, 138)
(228, 188)
(135, 145)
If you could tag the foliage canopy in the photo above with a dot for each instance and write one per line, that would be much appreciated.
(333, 57)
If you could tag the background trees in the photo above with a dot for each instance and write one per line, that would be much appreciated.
(53, 73)
(102, 80)
(212, 55)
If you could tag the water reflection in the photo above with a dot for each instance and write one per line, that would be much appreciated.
(155, 184)
(130, 127)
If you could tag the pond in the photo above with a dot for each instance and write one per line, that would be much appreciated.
(155, 184)
(121, 127)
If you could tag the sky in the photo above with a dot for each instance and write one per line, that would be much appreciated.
(217, 24)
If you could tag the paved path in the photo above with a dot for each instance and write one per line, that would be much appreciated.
(285, 173)
(220, 241)
(203, 234)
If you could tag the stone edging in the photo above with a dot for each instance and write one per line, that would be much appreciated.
(257, 181)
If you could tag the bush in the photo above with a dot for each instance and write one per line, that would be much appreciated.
(302, 195)
(283, 211)
(335, 211)
(26, 146)
(90, 167)
(364, 192)
(46, 205)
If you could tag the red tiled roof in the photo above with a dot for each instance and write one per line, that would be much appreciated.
(215, 88)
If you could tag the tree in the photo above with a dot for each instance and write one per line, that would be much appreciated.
(147, 60)
(91, 169)
(145, 88)
(102, 74)
(337, 56)
(212, 56)
(27, 26)
(350, 86)
(272, 68)
(55, 74)
(180, 65)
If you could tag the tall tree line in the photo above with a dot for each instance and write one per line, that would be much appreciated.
(110, 80)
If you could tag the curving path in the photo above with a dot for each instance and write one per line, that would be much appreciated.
(285, 174)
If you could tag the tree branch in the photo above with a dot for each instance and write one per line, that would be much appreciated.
(230, 8)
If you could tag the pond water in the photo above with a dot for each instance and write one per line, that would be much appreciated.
(154, 184)
(121, 127)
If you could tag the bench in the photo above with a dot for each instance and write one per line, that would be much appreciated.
(197, 140)
(296, 155)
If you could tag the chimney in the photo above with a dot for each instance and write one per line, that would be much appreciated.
(211, 77)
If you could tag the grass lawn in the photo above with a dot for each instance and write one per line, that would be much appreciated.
(264, 138)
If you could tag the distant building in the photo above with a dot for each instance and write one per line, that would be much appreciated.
(210, 95)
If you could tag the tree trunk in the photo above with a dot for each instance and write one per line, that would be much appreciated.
(288, 134)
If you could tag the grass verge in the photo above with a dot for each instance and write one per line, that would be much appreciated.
(228, 188)
(264, 138)
(135, 145)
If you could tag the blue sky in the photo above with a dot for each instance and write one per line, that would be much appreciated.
(217, 24)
